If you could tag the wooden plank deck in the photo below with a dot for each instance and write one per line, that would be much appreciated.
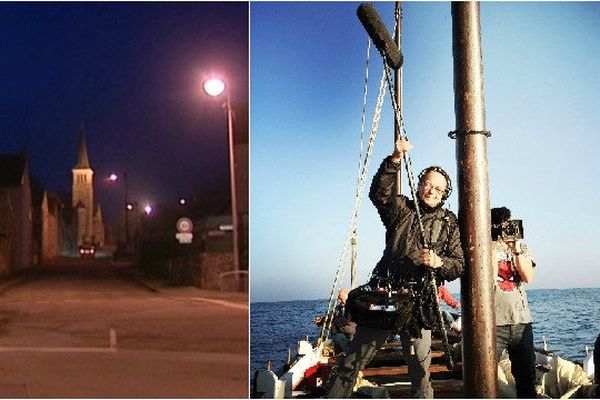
(388, 369)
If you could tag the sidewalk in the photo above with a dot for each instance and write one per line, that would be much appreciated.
(8, 282)
(160, 286)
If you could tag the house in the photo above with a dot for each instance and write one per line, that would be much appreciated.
(16, 216)
(47, 226)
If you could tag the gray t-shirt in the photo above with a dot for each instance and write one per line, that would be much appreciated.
(511, 299)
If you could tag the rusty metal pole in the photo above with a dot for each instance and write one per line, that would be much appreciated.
(398, 90)
(477, 295)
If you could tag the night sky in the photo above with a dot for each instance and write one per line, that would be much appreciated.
(132, 74)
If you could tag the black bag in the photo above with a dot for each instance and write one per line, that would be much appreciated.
(425, 315)
(381, 309)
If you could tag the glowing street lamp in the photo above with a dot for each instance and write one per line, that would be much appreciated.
(215, 87)
(148, 209)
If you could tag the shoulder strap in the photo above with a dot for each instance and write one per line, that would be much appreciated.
(438, 225)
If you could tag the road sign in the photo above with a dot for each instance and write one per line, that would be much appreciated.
(184, 225)
(184, 238)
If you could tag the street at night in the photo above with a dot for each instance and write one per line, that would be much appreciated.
(96, 328)
(124, 200)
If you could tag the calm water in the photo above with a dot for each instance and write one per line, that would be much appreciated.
(569, 318)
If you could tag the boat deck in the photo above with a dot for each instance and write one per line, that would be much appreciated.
(388, 369)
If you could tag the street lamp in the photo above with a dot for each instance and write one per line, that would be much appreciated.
(128, 206)
(215, 87)
(148, 209)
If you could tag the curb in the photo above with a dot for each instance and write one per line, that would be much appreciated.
(141, 281)
(10, 282)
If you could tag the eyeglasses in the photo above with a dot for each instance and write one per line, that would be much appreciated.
(429, 186)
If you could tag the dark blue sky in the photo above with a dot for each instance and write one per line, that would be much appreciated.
(132, 73)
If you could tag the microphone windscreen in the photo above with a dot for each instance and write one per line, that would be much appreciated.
(377, 31)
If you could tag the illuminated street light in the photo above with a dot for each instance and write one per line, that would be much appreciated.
(129, 207)
(148, 209)
(214, 87)
(182, 201)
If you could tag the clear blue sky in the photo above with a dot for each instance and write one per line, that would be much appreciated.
(542, 87)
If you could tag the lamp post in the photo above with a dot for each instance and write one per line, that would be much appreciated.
(114, 177)
(215, 87)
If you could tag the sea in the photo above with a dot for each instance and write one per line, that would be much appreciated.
(568, 318)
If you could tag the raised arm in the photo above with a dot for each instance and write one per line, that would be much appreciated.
(523, 261)
(383, 192)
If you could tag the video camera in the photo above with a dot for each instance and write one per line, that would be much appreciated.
(509, 231)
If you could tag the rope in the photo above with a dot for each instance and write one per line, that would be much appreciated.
(362, 177)
(407, 163)
(364, 110)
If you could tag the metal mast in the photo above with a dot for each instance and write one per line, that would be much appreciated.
(479, 326)
(398, 89)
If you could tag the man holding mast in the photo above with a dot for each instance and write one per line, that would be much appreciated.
(405, 264)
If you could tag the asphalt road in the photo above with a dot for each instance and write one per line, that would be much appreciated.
(91, 330)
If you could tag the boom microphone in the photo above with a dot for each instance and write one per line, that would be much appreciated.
(377, 31)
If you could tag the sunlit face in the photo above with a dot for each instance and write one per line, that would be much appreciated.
(432, 188)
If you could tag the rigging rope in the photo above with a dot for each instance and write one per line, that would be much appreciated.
(356, 211)
(405, 157)
(326, 327)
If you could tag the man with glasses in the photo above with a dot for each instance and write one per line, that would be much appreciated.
(405, 263)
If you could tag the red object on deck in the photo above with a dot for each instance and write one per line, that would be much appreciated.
(319, 372)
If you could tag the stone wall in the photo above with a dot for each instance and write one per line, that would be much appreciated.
(204, 271)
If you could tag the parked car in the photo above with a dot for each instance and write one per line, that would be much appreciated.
(87, 251)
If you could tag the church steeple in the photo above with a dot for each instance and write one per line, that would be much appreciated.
(83, 161)
(83, 193)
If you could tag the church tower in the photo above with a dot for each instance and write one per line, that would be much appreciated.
(83, 194)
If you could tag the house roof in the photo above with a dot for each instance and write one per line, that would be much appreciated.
(37, 191)
(12, 169)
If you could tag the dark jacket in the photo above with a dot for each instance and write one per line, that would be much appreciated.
(401, 257)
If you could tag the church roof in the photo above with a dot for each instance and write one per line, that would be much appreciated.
(83, 161)
(12, 169)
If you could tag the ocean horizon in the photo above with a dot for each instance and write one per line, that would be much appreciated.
(454, 294)
(569, 319)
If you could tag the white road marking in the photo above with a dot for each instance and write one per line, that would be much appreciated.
(222, 303)
(111, 349)
(113, 339)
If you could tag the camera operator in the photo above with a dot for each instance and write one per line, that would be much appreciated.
(513, 268)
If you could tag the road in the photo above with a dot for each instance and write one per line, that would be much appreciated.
(91, 330)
